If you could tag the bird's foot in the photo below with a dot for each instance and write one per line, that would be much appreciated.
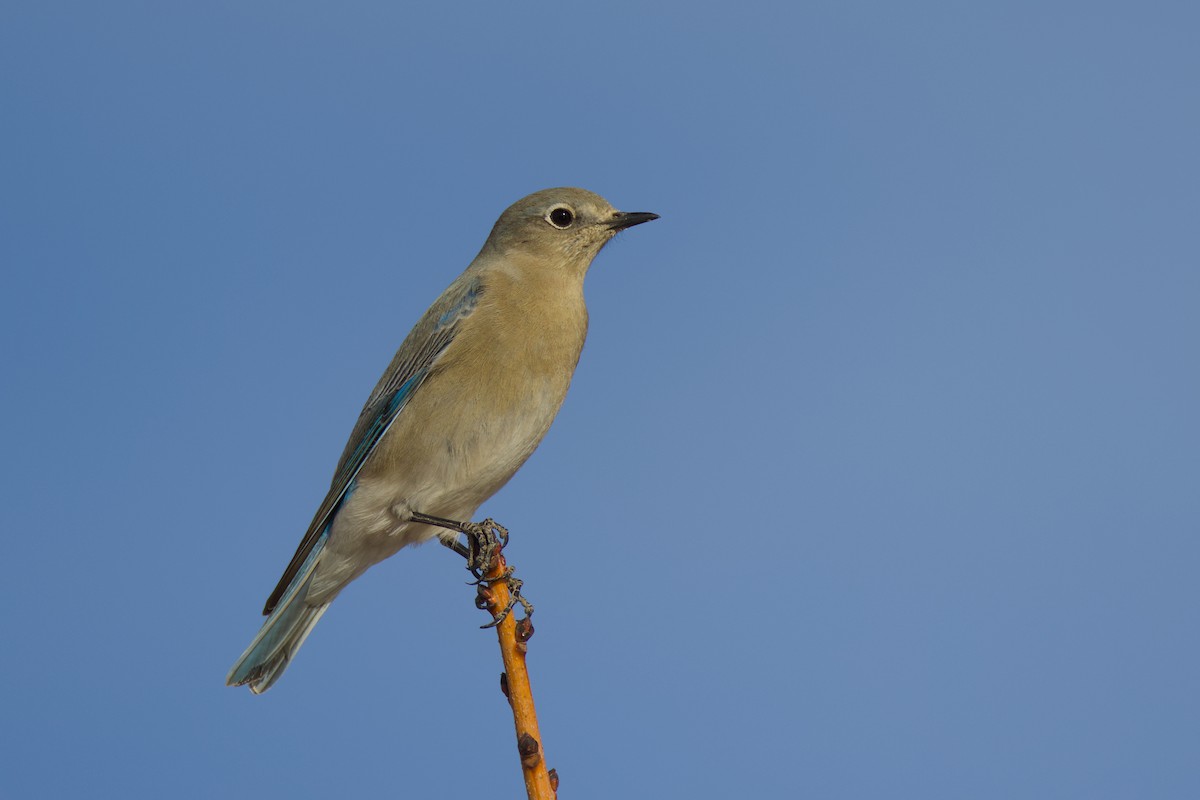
(485, 540)
(484, 600)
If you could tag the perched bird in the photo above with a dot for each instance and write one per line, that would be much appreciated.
(465, 401)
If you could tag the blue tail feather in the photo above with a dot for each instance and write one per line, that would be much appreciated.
(283, 632)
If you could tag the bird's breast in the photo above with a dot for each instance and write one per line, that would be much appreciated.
(485, 406)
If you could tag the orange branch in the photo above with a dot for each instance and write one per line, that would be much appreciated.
(494, 595)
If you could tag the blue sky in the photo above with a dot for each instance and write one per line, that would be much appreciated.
(878, 478)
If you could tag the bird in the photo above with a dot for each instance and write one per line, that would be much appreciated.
(466, 399)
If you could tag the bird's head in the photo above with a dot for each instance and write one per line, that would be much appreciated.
(567, 226)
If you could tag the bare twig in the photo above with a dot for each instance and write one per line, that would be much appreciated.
(496, 597)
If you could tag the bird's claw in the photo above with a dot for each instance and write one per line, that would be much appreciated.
(514, 584)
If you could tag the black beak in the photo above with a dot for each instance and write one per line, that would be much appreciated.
(627, 219)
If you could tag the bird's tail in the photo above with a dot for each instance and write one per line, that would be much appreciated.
(282, 634)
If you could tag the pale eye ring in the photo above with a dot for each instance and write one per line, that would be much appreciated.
(561, 217)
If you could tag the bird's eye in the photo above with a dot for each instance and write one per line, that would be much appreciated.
(561, 217)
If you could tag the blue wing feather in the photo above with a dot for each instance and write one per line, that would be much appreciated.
(403, 378)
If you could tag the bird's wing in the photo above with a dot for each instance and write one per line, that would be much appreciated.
(403, 377)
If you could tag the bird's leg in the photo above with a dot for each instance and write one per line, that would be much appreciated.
(456, 546)
(484, 540)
